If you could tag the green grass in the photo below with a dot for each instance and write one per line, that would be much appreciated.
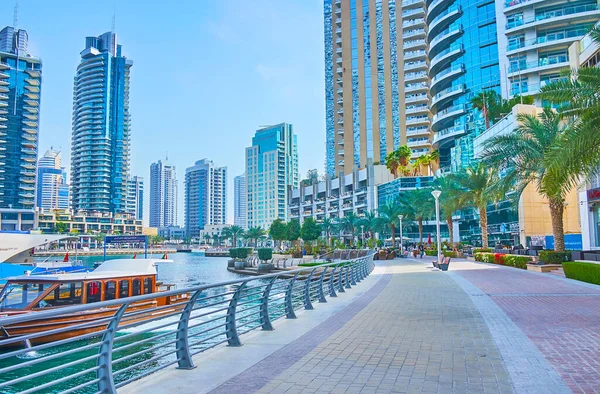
(585, 272)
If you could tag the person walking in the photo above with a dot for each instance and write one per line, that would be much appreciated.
(421, 250)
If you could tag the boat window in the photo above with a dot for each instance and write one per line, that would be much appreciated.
(110, 291)
(64, 294)
(93, 292)
(20, 295)
(124, 289)
(147, 285)
(136, 288)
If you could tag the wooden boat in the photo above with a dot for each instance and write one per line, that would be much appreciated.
(114, 279)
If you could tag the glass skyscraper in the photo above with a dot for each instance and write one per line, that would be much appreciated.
(101, 127)
(20, 84)
(239, 201)
(52, 187)
(163, 194)
(376, 82)
(463, 61)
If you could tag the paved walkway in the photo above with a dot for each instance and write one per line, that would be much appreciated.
(410, 329)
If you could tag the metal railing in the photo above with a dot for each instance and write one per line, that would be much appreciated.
(127, 342)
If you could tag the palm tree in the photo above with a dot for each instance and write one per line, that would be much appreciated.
(523, 156)
(226, 233)
(419, 205)
(254, 233)
(449, 203)
(398, 160)
(371, 222)
(392, 162)
(235, 231)
(477, 186)
(326, 227)
(206, 239)
(483, 101)
(388, 214)
(349, 223)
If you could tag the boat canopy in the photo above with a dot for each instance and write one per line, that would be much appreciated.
(13, 244)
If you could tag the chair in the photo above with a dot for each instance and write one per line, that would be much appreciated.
(445, 264)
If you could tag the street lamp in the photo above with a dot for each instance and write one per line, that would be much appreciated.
(436, 194)
(400, 217)
(362, 235)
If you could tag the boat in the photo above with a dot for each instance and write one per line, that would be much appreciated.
(114, 279)
(199, 251)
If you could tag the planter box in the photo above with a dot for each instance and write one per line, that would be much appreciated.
(265, 268)
(231, 263)
(543, 268)
(247, 264)
(239, 265)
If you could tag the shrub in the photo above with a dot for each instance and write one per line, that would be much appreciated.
(431, 252)
(503, 259)
(499, 258)
(265, 253)
(478, 256)
(516, 261)
(240, 253)
(585, 272)
(552, 257)
(449, 253)
(482, 250)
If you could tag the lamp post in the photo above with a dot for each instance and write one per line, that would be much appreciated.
(362, 235)
(400, 217)
(436, 194)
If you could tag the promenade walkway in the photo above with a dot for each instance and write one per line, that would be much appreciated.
(407, 328)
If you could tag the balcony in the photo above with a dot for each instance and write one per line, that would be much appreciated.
(448, 16)
(435, 8)
(445, 37)
(408, 3)
(413, 12)
(445, 57)
(414, 120)
(412, 131)
(447, 115)
(415, 76)
(414, 65)
(419, 22)
(448, 135)
(340, 131)
(543, 64)
(414, 54)
(416, 98)
(416, 109)
(414, 33)
(564, 14)
(414, 44)
(447, 94)
(415, 87)
(419, 142)
(447, 75)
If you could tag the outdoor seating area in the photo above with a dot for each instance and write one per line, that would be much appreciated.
(443, 265)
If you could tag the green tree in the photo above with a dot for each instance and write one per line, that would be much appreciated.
(278, 231)
(398, 160)
(292, 231)
(524, 157)
(418, 205)
(61, 227)
(449, 203)
(311, 177)
(327, 227)
(371, 223)
(310, 230)
(477, 186)
(255, 233)
(388, 214)
(349, 223)
(226, 234)
(236, 232)
(206, 239)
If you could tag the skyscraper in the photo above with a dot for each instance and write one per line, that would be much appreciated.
(101, 127)
(376, 83)
(52, 187)
(163, 195)
(205, 196)
(135, 197)
(20, 84)
(239, 201)
(271, 168)
(463, 61)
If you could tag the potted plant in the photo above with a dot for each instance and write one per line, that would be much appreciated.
(264, 255)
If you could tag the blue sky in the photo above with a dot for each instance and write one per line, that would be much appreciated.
(206, 74)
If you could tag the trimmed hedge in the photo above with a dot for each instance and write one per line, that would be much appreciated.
(265, 253)
(552, 257)
(585, 272)
(482, 250)
(430, 252)
(449, 253)
(510, 260)
(240, 253)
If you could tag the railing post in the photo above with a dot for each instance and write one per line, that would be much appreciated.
(353, 273)
(307, 303)
(361, 273)
(181, 346)
(341, 279)
(348, 276)
(332, 284)
(321, 292)
(264, 308)
(106, 382)
(233, 338)
(289, 305)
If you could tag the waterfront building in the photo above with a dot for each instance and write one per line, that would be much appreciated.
(239, 201)
(211, 234)
(271, 169)
(205, 196)
(52, 187)
(463, 61)
(135, 197)
(12, 219)
(163, 194)
(376, 81)
(171, 232)
(89, 222)
(333, 198)
(20, 85)
(101, 127)
(534, 39)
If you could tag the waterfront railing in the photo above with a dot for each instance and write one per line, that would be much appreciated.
(117, 348)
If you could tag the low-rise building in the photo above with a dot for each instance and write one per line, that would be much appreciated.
(17, 219)
(172, 232)
(88, 223)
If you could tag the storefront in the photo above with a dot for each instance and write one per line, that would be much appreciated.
(589, 206)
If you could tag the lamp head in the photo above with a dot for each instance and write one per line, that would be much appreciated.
(400, 217)
(436, 194)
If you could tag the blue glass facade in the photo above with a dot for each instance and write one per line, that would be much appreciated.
(381, 81)
(329, 88)
(390, 192)
(394, 74)
(368, 85)
(355, 91)
(101, 127)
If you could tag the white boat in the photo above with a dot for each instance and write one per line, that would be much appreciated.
(199, 251)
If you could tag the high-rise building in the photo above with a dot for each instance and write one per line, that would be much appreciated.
(271, 168)
(135, 197)
(20, 84)
(239, 201)
(163, 195)
(376, 83)
(101, 127)
(463, 61)
(205, 196)
(534, 39)
(52, 187)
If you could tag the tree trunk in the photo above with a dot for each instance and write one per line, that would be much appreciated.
(421, 230)
(557, 208)
(483, 224)
(393, 230)
(450, 230)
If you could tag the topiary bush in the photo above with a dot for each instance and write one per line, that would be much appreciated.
(449, 253)
(517, 261)
(430, 252)
(265, 253)
(552, 257)
(481, 250)
(503, 259)
(240, 253)
(585, 272)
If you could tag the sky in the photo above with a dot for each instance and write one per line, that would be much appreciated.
(206, 75)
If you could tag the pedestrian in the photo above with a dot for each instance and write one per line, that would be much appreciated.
(421, 250)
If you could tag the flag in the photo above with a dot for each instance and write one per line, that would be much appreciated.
(429, 239)
(66, 259)
(134, 255)
(165, 256)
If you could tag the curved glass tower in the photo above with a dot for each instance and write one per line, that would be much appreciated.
(101, 127)
(463, 53)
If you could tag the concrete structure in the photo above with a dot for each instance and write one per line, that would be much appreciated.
(333, 198)
(212, 231)
(17, 219)
(239, 201)
(52, 187)
(534, 39)
(101, 127)
(376, 82)
(135, 197)
(205, 196)
(271, 169)
(89, 223)
(163, 194)
(19, 120)
(172, 232)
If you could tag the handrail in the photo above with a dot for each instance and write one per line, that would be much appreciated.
(130, 339)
